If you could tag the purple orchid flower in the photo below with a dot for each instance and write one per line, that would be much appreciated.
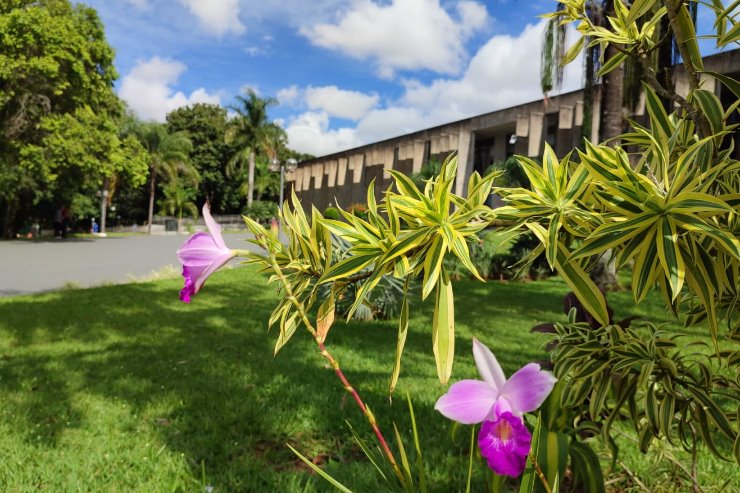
(201, 255)
(499, 404)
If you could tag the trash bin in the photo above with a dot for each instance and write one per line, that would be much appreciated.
(170, 225)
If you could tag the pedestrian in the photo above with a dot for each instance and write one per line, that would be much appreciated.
(58, 223)
(65, 221)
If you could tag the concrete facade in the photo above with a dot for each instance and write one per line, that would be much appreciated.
(479, 141)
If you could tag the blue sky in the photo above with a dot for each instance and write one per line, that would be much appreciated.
(346, 72)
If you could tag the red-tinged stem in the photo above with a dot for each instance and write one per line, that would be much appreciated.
(365, 410)
(540, 474)
(335, 365)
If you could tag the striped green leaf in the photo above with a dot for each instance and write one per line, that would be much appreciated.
(614, 62)
(551, 247)
(731, 83)
(462, 252)
(443, 329)
(405, 186)
(573, 51)
(347, 267)
(403, 329)
(724, 239)
(408, 241)
(731, 36)
(669, 255)
(698, 203)
(320, 471)
(639, 8)
(644, 270)
(577, 279)
(529, 478)
(433, 264)
(688, 33)
(711, 107)
(658, 116)
(586, 467)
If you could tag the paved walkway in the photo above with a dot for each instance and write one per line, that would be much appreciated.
(36, 266)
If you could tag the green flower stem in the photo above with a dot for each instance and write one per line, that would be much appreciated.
(540, 474)
(333, 363)
(672, 9)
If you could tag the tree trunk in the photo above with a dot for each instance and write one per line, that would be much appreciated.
(152, 189)
(250, 183)
(103, 206)
(612, 118)
(604, 271)
(8, 221)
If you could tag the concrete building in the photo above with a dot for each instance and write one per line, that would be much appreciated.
(479, 141)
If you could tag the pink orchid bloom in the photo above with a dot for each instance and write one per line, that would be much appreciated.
(201, 255)
(505, 442)
(499, 404)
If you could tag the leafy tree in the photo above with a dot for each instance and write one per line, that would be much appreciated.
(168, 158)
(178, 199)
(205, 125)
(56, 77)
(252, 133)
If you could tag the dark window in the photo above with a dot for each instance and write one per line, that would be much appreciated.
(551, 129)
(484, 153)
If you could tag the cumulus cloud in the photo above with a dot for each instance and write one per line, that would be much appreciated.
(288, 95)
(340, 103)
(148, 89)
(381, 33)
(139, 4)
(309, 132)
(495, 78)
(217, 16)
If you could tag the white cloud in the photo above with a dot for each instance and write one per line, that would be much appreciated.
(139, 4)
(496, 77)
(148, 89)
(217, 16)
(288, 95)
(255, 51)
(309, 132)
(473, 16)
(340, 103)
(382, 33)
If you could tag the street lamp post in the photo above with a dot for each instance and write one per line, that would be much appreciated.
(276, 165)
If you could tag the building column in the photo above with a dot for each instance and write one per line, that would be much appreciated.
(564, 141)
(536, 130)
(465, 157)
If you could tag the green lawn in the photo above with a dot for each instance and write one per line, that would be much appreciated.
(123, 388)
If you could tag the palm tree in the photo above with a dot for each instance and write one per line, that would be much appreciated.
(168, 154)
(251, 133)
(178, 198)
(551, 71)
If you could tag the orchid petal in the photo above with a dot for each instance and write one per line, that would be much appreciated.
(217, 264)
(505, 443)
(488, 366)
(528, 388)
(213, 226)
(467, 401)
(199, 249)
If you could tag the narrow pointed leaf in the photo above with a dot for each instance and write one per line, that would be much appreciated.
(443, 329)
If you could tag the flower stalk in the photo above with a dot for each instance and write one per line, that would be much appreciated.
(332, 362)
(540, 474)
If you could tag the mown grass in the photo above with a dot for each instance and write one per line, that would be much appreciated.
(123, 388)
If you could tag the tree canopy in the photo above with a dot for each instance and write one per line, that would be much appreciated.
(58, 136)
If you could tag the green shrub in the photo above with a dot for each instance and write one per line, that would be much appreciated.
(332, 213)
(261, 211)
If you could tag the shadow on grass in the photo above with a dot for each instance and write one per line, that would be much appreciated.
(202, 378)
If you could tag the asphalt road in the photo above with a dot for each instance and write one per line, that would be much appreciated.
(37, 266)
